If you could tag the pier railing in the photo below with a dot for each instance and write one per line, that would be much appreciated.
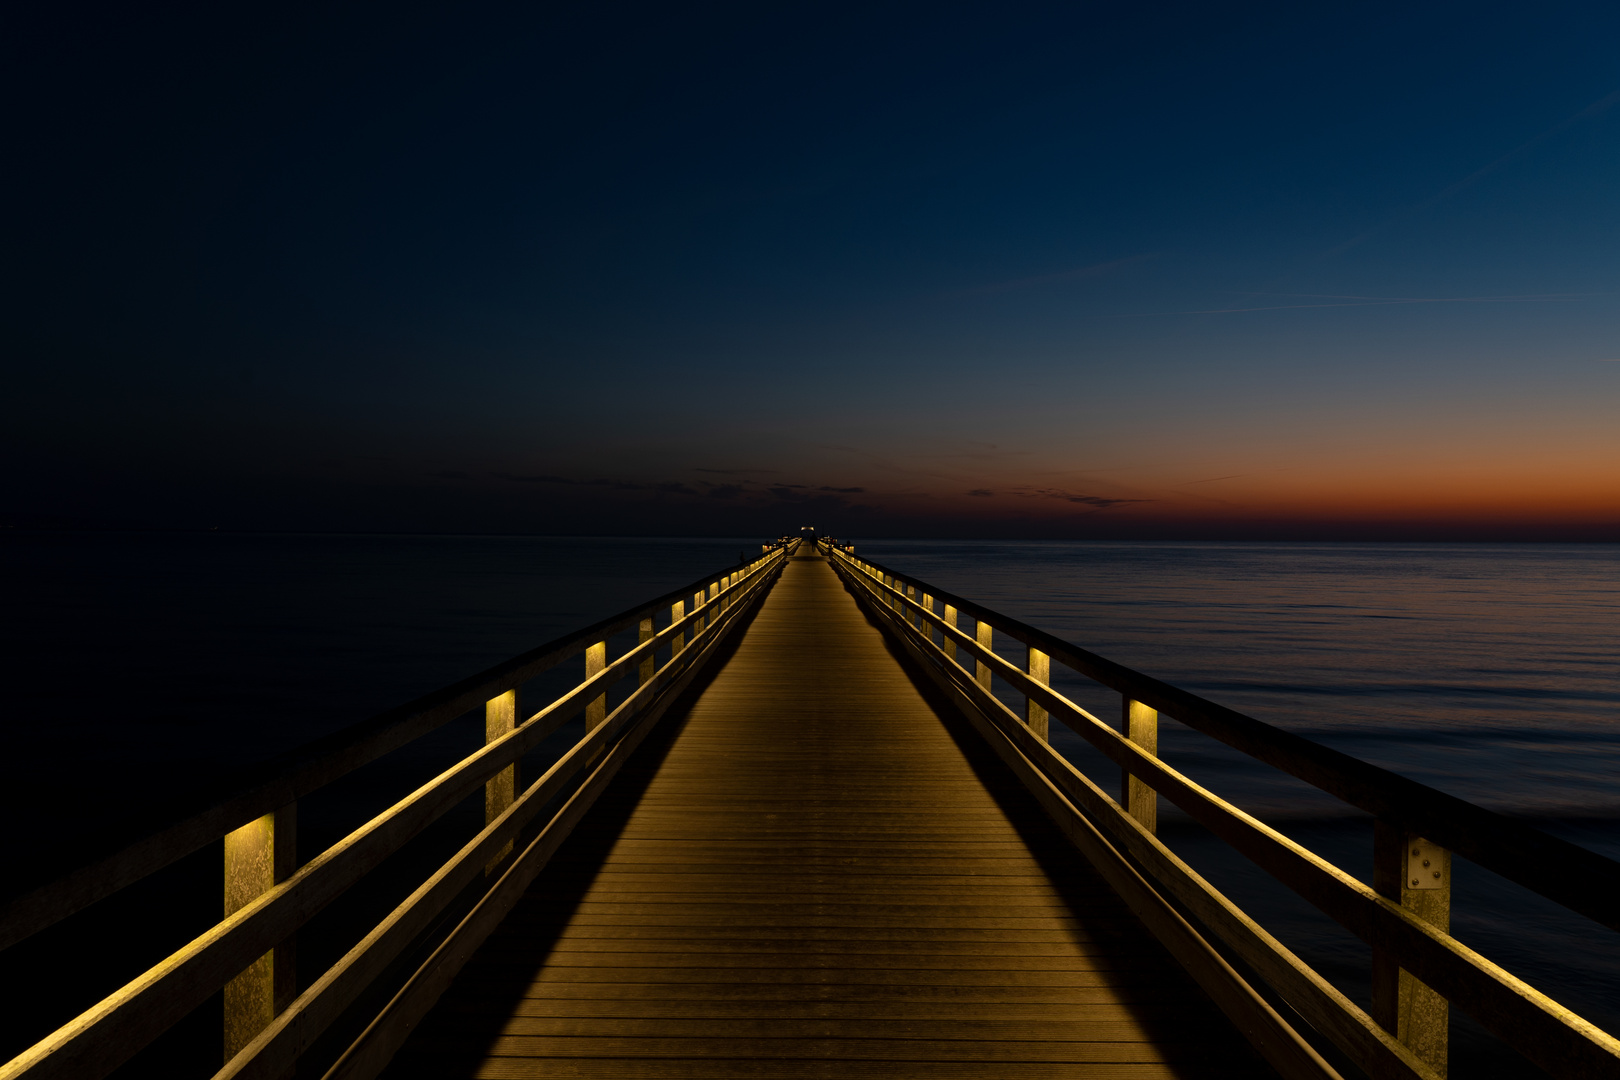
(269, 895)
(1419, 969)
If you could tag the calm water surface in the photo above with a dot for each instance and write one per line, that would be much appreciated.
(134, 660)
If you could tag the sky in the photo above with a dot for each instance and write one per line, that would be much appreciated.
(1072, 271)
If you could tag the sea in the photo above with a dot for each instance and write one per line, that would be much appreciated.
(136, 662)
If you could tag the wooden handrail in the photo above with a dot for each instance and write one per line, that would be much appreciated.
(1543, 1030)
(125, 853)
(109, 1032)
(1581, 880)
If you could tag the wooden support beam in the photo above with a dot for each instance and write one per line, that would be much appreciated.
(595, 661)
(677, 612)
(1035, 715)
(1140, 724)
(950, 642)
(500, 717)
(644, 633)
(258, 856)
(1416, 874)
(983, 634)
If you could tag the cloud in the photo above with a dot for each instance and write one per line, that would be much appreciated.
(1092, 500)
(1597, 108)
(1098, 502)
(1371, 301)
(734, 472)
(982, 492)
(725, 491)
(842, 491)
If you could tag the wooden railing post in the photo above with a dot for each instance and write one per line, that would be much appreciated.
(1417, 875)
(1040, 670)
(258, 856)
(923, 623)
(950, 642)
(984, 634)
(500, 717)
(1140, 724)
(677, 642)
(697, 604)
(649, 663)
(595, 661)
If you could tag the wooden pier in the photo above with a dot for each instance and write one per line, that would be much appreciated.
(810, 878)
(803, 834)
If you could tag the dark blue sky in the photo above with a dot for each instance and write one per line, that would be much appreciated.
(1128, 269)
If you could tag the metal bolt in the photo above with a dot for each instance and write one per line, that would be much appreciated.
(1414, 882)
(1437, 873)
(1425, 862)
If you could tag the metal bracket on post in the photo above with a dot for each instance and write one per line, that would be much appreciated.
(1140, 724)
(258, 856)
(1416, 873)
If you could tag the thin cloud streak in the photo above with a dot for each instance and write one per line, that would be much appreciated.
(1369, 302)
(1597, 108)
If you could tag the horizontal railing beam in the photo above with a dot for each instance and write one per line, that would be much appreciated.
(119, 1025)
(371, 1052)
(1546, 1032)
(52, 893)
(1579, 879)
(1275, 1039)
(275, 1051)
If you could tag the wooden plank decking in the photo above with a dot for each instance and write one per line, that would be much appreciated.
(807, 873)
